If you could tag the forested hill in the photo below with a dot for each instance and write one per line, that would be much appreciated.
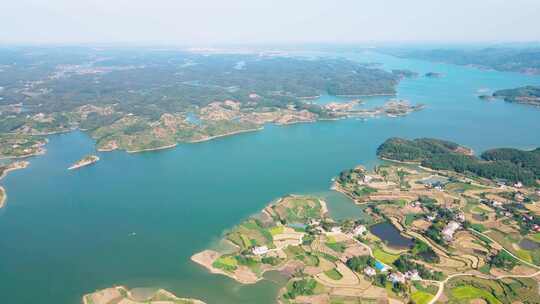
(139, 99)
(504, 163)
(526, 95)
(526, 60)
(152, 82)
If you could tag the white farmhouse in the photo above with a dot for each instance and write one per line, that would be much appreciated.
(449, 230)
(260, 250)
(369, 271)
(359, 230)
(396, 277)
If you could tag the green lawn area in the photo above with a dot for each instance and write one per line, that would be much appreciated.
(411, 217)
(276, 230)
(385, 257)
(333, 274)
(478, 227)
(536, 237)
(480, 210)
(400, 202)
(302, 208)
(327, 256)
(462, 187)
(311, 260)
(421, 297)
(364, 191)
(337, 247)
(227, 263)
(465, 293)
(524, 255)
(250, 234)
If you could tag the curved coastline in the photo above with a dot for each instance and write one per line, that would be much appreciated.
(3, 197)
(11, 167)
(121, 294)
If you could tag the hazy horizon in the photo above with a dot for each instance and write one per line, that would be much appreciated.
(205, 22)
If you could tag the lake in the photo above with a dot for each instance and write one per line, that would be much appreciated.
(390, 235)
(66, 233)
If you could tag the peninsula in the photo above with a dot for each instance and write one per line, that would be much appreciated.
(21, 145)
(438, 234)
(4, 170)
(85, 161)
(529, 95)
(121, 294)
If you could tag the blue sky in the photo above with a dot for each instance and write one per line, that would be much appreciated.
(205, 22)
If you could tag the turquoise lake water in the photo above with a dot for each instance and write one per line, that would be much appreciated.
(66, 233)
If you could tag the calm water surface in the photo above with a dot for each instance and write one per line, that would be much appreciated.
(66, 233)
(390, 235)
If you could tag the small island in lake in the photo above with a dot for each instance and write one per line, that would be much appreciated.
(434, 75)
(85, 161)
(121, 294)
(486, 97)
(525, 95)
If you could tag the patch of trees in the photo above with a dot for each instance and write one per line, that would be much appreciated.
(421, 250)
(271, 260)
(349, 176)
(405, 263)
(380, 280)
(509, 164)
(428, 203)
(524, 159)
(358, 263)
(503, 260)
(434, 233)
(300, 288)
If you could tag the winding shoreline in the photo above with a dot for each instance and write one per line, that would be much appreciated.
(226, 134)
(11, 167)
(121, 294)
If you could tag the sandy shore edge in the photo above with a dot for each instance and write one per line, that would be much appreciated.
(3, 197)
(111, 294)
(207, 257)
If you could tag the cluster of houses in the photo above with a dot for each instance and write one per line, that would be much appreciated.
(260, 250)
(503, 183)
(451, 228)
(436, 183)
(509, 213)
(398, 277)
(394, 276)
(358, 230)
